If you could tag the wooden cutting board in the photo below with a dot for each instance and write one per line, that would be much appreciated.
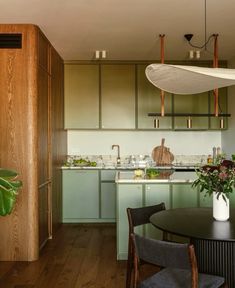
(162, 155)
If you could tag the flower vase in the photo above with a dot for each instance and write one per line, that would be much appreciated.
(220, 207)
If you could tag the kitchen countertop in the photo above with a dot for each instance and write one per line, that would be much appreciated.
(179, 167)
(166, 176)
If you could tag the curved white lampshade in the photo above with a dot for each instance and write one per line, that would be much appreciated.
(179, 79)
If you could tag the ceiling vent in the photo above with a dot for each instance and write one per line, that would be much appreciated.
(12, 41)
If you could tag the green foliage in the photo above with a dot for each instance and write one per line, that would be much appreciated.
(219, 179)
(9, 187)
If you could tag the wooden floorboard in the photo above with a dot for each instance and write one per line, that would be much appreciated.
(79, 256)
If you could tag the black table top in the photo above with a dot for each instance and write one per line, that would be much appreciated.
(195, 223)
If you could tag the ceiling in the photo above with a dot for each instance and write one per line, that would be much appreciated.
(127, 29)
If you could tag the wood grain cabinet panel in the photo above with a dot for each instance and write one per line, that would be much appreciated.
(58, 137)
(25, 143)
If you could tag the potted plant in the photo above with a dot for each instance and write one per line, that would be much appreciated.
(9, 186)
(217, 180)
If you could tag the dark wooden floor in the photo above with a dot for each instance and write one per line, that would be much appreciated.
(79, 256)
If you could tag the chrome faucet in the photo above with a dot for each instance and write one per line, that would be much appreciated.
(118, 149)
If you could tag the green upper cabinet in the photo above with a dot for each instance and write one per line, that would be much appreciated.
(118, 96)
(149, 100)
(215, 121)
(81, 96)
(194, 104)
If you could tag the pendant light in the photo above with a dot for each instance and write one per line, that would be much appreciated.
(180, 79)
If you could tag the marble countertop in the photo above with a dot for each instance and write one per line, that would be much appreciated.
(166, 176)
(186, 167)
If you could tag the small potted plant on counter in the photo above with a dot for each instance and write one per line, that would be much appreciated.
(217, 180)
(9, 186)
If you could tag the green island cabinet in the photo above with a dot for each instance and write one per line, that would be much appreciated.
(139, 195)
(89, 196)
(175, 195)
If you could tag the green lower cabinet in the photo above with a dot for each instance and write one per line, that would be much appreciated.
(87, 197)
(80, 196)
(108, 201)
(183, 195)
(128, 195)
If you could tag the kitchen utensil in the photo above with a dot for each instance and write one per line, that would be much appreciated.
(162, 155)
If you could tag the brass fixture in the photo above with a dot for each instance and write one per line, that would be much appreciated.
(156, 123)
(189, 122)
(118, 149)
(221, 123)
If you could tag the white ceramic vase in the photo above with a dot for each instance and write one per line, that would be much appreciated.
(220, 208)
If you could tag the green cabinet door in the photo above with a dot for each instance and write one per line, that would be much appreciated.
(118, 96)
(149, 101)
(128, 195)
(183, 195)
(108, 201)
(205, 200)
(155, 194)
(80, 196)
(81, 96)
(198, 103)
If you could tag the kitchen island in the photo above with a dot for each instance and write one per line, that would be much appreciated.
(174, 188)
(89, 193)
(102, 194)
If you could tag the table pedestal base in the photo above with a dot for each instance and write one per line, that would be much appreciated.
(216, 257)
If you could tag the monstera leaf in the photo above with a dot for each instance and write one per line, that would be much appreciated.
(9, 187)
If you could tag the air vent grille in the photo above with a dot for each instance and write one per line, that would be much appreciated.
(10, 41)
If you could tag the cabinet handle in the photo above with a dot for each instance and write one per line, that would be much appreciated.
(44, 184)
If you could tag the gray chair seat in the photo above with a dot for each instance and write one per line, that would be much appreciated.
(180, 278)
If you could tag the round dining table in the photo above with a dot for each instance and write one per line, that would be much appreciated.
(214, 241)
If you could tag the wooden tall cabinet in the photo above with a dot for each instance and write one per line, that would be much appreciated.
(32, 140)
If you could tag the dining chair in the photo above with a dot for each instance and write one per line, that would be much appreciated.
(136, 217)
(179, 262)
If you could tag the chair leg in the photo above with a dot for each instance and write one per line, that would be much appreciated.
(129, 269)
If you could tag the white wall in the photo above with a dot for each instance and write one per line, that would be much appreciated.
(228, 137)
(142, 142)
